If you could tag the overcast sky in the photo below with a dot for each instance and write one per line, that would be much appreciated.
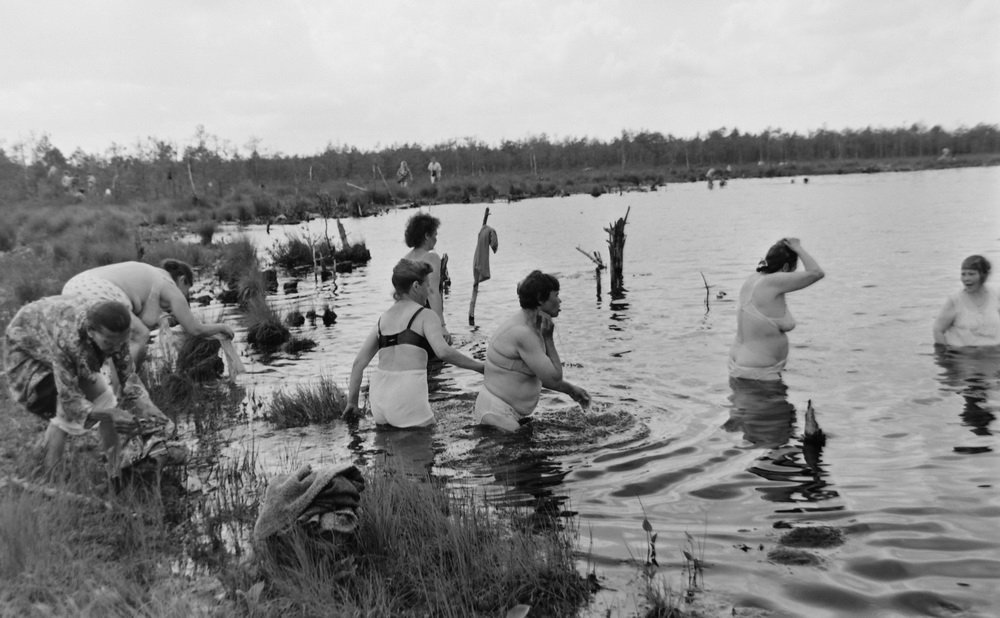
(298, 76)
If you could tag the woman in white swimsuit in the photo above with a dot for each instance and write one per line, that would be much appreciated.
(761, 346)
(971, 316)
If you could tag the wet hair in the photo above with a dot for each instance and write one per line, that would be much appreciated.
(407, 272)
(977, 263)
(418, 227)
(110, 315)
(535, 289)
(777, 256)
(177, 268)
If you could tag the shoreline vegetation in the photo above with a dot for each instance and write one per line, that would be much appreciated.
(176, 543)
(211, 179)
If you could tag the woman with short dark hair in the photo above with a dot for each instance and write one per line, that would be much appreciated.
(760, 349)
(971, 316)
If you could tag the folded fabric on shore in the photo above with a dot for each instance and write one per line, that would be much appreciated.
(326, 498)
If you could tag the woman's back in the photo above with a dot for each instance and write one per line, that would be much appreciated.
(402, 356)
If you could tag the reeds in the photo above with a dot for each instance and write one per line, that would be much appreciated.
(321, 402)
(421, 550)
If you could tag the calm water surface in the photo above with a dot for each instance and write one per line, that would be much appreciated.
(909, 468)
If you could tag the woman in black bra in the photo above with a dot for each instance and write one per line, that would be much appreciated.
(403, 337)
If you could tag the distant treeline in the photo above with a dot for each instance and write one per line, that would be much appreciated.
(212, 168)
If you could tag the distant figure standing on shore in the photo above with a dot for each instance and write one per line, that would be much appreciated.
(971, 316)
(435, 170)
(403, 175)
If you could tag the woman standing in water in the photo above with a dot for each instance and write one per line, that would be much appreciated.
(971, 316)
(403, 337)
(760, 350)
(421, 236)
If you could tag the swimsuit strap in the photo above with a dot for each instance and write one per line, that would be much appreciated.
(413, 317)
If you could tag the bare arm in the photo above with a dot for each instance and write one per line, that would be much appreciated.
(365, 355)
(172, 300)
(789, 282)
(435, 336)
(944, 321)
(561, 385)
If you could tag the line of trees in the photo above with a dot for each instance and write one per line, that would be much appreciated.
(209, 166)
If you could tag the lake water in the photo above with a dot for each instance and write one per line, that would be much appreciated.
(909, 468)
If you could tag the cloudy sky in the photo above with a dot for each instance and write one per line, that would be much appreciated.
(297, 76)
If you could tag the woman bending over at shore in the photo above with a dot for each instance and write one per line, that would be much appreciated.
(760, 350)
(148, 292)
(403, 337)
(971, 316)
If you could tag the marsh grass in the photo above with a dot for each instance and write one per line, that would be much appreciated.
(661, 599)
(422, 550)
(321, 402)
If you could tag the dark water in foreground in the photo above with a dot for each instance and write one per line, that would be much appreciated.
(909, 468)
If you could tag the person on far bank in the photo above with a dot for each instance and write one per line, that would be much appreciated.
(521, 358)
(403, 337)
(148, 292)
(421, 236)
(53, 353)
(971, 316)
(760, 349)
(434, 168)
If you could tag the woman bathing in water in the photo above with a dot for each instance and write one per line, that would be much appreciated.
(421, 237)
(971, 316)
(403, 337)
(760, 350)
(148, 292)
(522, 358)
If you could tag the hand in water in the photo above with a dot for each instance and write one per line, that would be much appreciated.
(582, 397)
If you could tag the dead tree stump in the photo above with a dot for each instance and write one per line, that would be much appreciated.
(616, 251)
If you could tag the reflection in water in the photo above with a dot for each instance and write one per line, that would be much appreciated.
(529, 478)
(619, 309)
(762, 411)
(973, 373)
(409, 451)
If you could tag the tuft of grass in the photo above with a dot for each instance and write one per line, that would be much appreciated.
(265, 331)
(422, 550)
(307, 404)
(206, 231)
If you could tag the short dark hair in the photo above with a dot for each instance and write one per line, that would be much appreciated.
(407, 272)
(177, 268)
(535, 289)
(978, 263)
(777, 256)
(111, 315)
(418, 228)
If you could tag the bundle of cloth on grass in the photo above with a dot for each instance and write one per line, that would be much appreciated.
(322, 500)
